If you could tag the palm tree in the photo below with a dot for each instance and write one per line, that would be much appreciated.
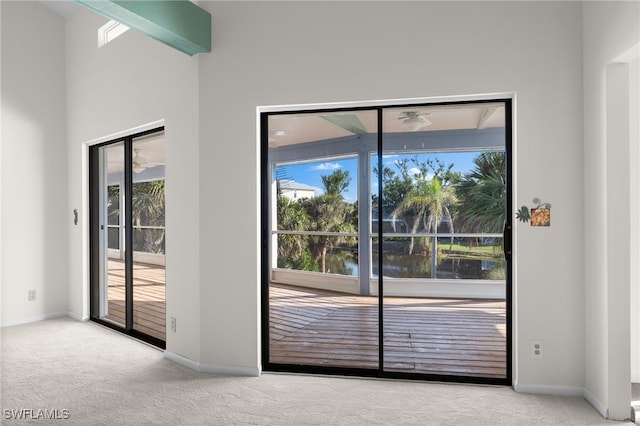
(291, 216)
(329, 212)
(396, 186)
(336, 182)
(483, 194)
(430, 203)
(148, 210)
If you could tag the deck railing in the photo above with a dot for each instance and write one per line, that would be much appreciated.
(475, 256)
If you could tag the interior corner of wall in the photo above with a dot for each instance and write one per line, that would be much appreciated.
(596, 403)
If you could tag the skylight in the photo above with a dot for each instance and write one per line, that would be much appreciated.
(110, 31)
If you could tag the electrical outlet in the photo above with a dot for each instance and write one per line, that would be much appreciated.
(537, 349)
(173, 324)
(32, 295)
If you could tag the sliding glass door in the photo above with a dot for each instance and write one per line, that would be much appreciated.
(444, 207)
(316, 316)
(128, 235)
(385, 241)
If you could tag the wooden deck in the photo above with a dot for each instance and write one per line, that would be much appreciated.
(429, 336)
(149, 298)
(313, 327)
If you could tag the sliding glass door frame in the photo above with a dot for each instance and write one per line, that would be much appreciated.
(97, 246)
(266, 177)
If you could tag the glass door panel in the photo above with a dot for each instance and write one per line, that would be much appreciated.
(320, 311)
(148, 221)
(444, 207)
(112, 265)
(127, 218)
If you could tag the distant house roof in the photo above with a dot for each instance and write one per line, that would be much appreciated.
(293, 185)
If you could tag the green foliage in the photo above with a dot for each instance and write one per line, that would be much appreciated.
(148, 210)
(291, 215)
(291, 248)
(396, 186)
(336, 182)
(475, 201)
(307, 263)
(483, 195)
(328, 212)
(113, 204)
(423, 199)
(424, 195)
(148, 203)
(438, 170)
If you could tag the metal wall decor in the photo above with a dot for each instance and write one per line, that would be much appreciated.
(540, 215)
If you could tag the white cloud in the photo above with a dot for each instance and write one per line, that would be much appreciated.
(413, 171)
(326, 166)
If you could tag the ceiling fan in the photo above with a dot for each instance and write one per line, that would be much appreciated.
(414, 120)
(140, 163)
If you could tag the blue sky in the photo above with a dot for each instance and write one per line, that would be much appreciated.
(311, 173)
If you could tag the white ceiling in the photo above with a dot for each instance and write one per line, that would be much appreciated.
(289, 129)
(63, 8)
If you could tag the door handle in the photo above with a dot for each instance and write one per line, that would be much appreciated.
(506, 241)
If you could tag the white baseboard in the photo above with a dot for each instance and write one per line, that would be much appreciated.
(549, 389)
(565, 391)
(228, 370)
(77, 317)
(597, 404)
(181, 360)
(211, 368)
(35, 318)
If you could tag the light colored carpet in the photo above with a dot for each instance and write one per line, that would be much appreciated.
(104, 378)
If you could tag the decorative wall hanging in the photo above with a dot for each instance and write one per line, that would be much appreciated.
(523, 214)
(540, 215)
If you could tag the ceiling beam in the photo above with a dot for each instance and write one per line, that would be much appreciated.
(485, 115)
(349, 122)
(180, 24)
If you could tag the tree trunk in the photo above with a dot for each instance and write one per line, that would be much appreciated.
(323, 257)
(414, 229)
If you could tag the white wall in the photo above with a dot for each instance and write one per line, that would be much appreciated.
(299, 52)
(33, 164)
(634, 235)
(128, 83)
(1, 114)
(610, 29)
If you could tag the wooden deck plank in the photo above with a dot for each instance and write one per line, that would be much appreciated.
(430, 336)
(149, 297)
